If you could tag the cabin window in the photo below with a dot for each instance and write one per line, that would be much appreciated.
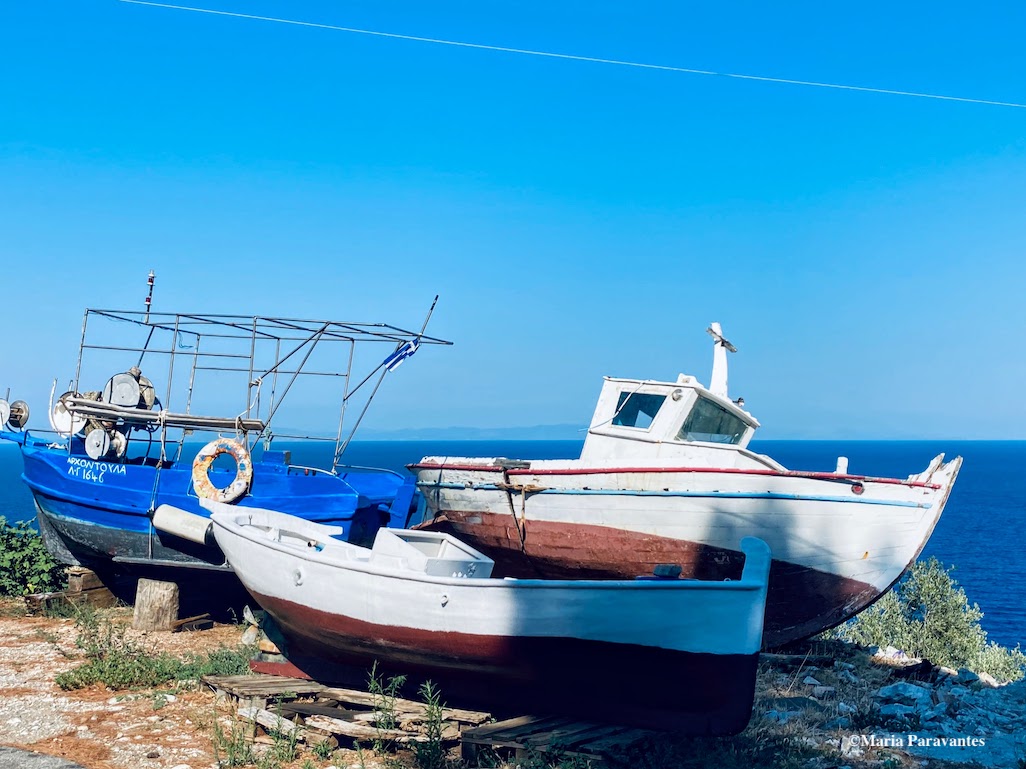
(637, 409)
(711, 423)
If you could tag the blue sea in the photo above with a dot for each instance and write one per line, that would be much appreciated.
(980, 532)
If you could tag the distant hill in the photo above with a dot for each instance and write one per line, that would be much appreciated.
(566, 432)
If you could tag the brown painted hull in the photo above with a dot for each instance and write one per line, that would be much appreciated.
(631, 684)
(801, 602)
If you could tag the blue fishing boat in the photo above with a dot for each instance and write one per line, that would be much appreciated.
(114, 455)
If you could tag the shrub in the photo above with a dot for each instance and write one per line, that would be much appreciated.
(928, 615)
(25, 564)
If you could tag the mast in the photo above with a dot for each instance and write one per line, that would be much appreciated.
(718, 382)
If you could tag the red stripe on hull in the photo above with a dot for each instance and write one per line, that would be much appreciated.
(801, 602)
(657, 688)
(649, 469)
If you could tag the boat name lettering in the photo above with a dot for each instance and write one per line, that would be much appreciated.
(87, 470)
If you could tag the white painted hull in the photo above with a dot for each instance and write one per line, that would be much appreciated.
(556, 638)
(570, 517)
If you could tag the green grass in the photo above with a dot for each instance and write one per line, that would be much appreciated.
(118, 662)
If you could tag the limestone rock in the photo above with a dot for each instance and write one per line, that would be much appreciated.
(896, 710)
(966, 676)
(906, 694)
(988, 680)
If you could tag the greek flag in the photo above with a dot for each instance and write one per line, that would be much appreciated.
(393, 361)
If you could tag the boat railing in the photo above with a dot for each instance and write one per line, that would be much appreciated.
(311, 469)
(364, 469)
(133, 415)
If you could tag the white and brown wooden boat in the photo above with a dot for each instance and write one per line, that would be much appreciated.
(661, 652)
(666, 476)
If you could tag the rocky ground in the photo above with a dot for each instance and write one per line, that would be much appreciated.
(878, 707)
(837, 706)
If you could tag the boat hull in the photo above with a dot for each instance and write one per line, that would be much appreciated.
(838, 542)
(667, 653)
(693, 693)
(97, 513)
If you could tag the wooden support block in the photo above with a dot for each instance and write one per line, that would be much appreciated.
(156, 605)
(81, 578)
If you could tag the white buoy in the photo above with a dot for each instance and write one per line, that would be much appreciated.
(97, 443)
(64, 421)
(122, 390)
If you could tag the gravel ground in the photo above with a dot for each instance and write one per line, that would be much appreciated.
(94, 727)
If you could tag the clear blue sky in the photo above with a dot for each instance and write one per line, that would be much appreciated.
(865, 252)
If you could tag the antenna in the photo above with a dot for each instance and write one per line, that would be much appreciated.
(718, 383)
(149, 296)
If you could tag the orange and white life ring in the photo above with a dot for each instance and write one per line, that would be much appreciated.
(243, 470)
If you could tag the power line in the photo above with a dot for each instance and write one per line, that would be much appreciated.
(574, 57)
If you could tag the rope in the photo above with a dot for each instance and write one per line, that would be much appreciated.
(588, 59)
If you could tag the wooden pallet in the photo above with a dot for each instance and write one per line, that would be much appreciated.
(527, 735)
(318, 713)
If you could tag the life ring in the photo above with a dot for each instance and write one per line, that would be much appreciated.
(243, 470)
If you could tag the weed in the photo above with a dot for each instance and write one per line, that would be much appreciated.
(232, 748)
(61, 608)
(323, 750)
(284, 748)
(46, 635)
(431, 754)
(385, 694)
(308, 764)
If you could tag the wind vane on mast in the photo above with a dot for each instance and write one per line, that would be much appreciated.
(718, 383)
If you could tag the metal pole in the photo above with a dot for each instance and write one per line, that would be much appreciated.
(366, 405)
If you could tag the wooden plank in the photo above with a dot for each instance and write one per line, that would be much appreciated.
(513, 730)
(572, 735)
(481, 732)
(277, 723)
(336, 726)
(402, 706)
(312, 709)
(616, 741)
(262, 686)
(100, 597)
(269, 720)
(179, 622)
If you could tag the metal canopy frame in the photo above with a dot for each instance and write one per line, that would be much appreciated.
(293, 340)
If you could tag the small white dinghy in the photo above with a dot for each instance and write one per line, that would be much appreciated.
(665, 652)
